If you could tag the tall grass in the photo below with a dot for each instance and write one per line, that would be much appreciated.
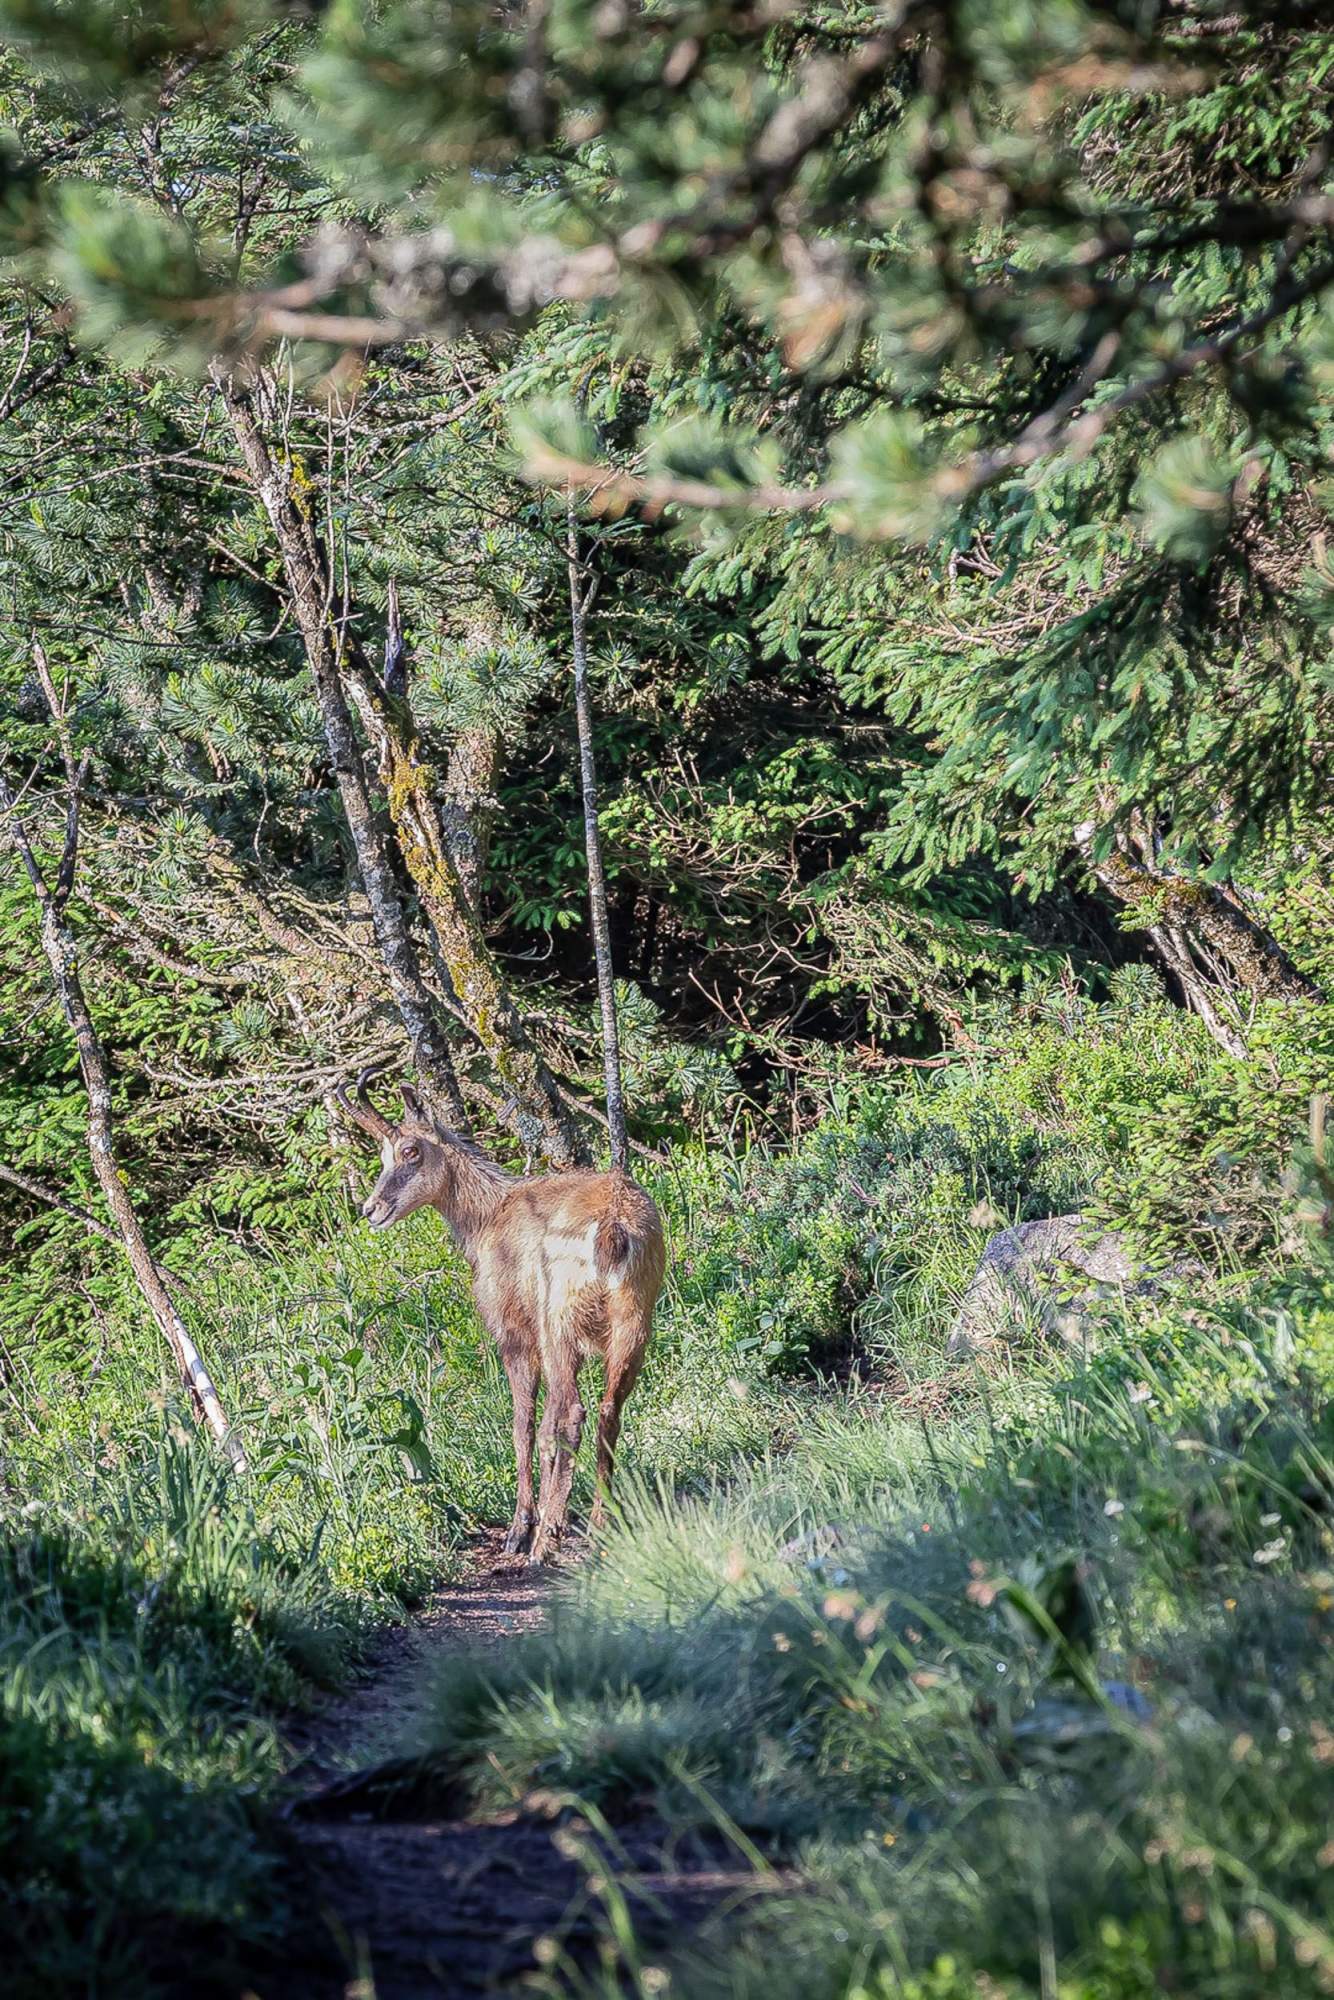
(1043, 1707)
(146, 1628)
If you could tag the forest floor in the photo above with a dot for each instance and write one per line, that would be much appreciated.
(406, 1900)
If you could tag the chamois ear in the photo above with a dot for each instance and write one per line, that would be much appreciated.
(412, 1104)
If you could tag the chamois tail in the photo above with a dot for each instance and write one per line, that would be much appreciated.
(611, 1246)
(629, 1235)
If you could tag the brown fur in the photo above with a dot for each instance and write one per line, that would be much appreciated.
(564, 1267)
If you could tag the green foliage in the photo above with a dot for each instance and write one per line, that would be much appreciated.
(94, 45)
(865, 1233)
(967, 278)
(881, 464)
(143, 1618)
(125, 262)
(1045, 1701)
(1185, 498)
(1022, 318)
(876, 768)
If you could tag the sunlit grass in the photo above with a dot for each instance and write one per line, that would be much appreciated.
(1041, 1707)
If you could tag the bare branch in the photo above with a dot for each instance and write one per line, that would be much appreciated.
(41, 1192)
(53, 1199)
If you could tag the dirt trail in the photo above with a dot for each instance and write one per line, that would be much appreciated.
(502, 1596)
(419, 1905)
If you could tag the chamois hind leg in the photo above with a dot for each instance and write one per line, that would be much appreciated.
(625, 1358)
(521, 1368)
(558, 1445)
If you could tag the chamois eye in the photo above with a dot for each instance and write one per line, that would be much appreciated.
(411, 1153)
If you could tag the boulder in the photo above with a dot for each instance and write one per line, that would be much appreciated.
(1046, 1277)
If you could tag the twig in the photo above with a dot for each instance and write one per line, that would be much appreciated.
(53, 1199)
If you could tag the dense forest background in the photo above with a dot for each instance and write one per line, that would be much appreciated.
(917, 418)
(949, 444)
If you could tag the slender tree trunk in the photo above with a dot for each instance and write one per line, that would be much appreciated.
(540, 1114)
(446, 872)
(61, 949)
(580, 599)
(309, 588)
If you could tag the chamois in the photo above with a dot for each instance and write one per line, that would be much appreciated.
(564, 1266)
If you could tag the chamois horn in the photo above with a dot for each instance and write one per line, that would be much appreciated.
(360, 1109)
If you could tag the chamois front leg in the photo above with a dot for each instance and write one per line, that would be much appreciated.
(521, 1368)
(558, 1447)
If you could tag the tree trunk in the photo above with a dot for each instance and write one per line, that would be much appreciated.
(1197, 929)
(1173, 949)
(468, 805)
(61, 949)
(309, 587)
(540, 1116)
(468, 800)
(580, 599)
(1200, 910)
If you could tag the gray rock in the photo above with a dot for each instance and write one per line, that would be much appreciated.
(1044, 1277)
(1130, 1700)
(815, 1547)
